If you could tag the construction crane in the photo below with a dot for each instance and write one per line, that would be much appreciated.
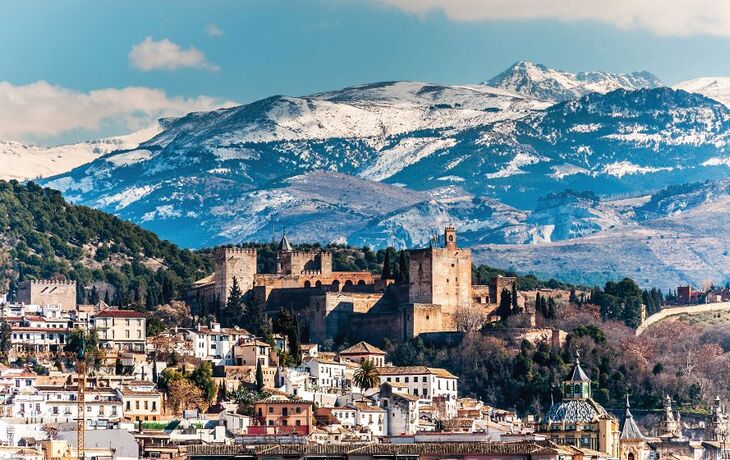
(81, 399)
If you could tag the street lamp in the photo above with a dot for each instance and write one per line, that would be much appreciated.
(723, 443)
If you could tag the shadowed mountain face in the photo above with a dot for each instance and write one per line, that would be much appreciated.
(386, 163)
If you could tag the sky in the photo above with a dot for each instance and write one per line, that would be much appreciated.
(76, 70)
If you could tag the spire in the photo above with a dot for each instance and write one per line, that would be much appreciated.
(577, 375)
(284, 244)
(630, 429)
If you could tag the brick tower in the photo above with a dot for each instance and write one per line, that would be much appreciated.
(233, 262)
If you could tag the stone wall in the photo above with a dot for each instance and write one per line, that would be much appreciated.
(440, 276)
(233, 262)
(47, 292)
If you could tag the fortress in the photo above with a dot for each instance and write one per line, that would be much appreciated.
(357, 305)
(48, 292)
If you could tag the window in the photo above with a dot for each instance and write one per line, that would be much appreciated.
(271, 410)
(298, 423)
(129, 405)
(146, 405)
(126, 322)
(136, 405)
(406, 380)
(154, 406)
(127, 333)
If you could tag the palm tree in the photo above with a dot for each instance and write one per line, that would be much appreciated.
(367, 376)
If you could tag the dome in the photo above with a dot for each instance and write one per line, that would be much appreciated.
(575, 411)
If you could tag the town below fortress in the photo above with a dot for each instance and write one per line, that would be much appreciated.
(307, 361)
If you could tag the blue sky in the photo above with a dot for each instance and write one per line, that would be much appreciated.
(221, 52)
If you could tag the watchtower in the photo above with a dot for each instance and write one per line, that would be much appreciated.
(233, 262)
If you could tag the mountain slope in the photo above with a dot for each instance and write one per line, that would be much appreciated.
(540, 82)
(33, 161)
(717, 88)
(229, 175)
(679, 236)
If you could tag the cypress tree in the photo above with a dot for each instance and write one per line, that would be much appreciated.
(259, 377)
(387, 265)
(404, 266)
(513, 298)
(505, 304)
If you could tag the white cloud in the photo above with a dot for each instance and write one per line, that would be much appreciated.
(40, 111)
(167, 55)
(213, 30)
(662, 17)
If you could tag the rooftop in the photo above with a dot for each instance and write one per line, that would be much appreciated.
(361, 348)
(120, 314)
(416, 370)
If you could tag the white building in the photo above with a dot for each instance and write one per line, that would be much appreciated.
(372, 418)
(215, 343)
(325, 374)
(428, 383)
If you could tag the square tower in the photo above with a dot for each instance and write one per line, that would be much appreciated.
(441, 276)
(233, 262)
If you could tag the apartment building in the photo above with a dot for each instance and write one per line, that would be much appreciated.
(121, 330)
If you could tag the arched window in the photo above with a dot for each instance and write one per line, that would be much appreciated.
(318, 283)
(630, 456)
(307, 284)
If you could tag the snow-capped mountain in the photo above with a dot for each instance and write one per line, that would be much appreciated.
(543, 83)
(717, 88)
(27, 161)
(386, 163)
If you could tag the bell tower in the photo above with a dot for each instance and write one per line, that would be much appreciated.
(450, 238)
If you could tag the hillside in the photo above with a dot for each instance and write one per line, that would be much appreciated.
(42, 236)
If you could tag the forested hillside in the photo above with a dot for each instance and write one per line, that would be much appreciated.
(42, 236)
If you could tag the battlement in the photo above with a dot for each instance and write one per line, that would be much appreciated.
(51, 282)
(234, 250)
(311, 272)
(315, 252)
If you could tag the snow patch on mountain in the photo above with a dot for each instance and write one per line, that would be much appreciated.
(623, 168)
(407, 152)
(717, 88)
(25, 162)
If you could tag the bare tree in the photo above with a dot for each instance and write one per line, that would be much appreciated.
(469, 319)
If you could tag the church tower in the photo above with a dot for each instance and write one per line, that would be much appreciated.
(632, 443)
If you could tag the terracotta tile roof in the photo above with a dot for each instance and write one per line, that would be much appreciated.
(120, 314)
(441, 448)
(362, 348)
(362, 407)
(415, 370)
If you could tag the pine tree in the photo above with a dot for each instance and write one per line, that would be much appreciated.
(234, 314)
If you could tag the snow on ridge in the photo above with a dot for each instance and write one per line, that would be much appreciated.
(563, 170)
(717, 161)
(717, 88)
(127, 196)
(407, 152)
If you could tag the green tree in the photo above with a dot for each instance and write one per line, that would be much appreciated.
(202, 377)
(403, 267)
(5, 339)
(387, 272)
(259, 376)
(234, 313)
(504, 310)
(366, 376)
